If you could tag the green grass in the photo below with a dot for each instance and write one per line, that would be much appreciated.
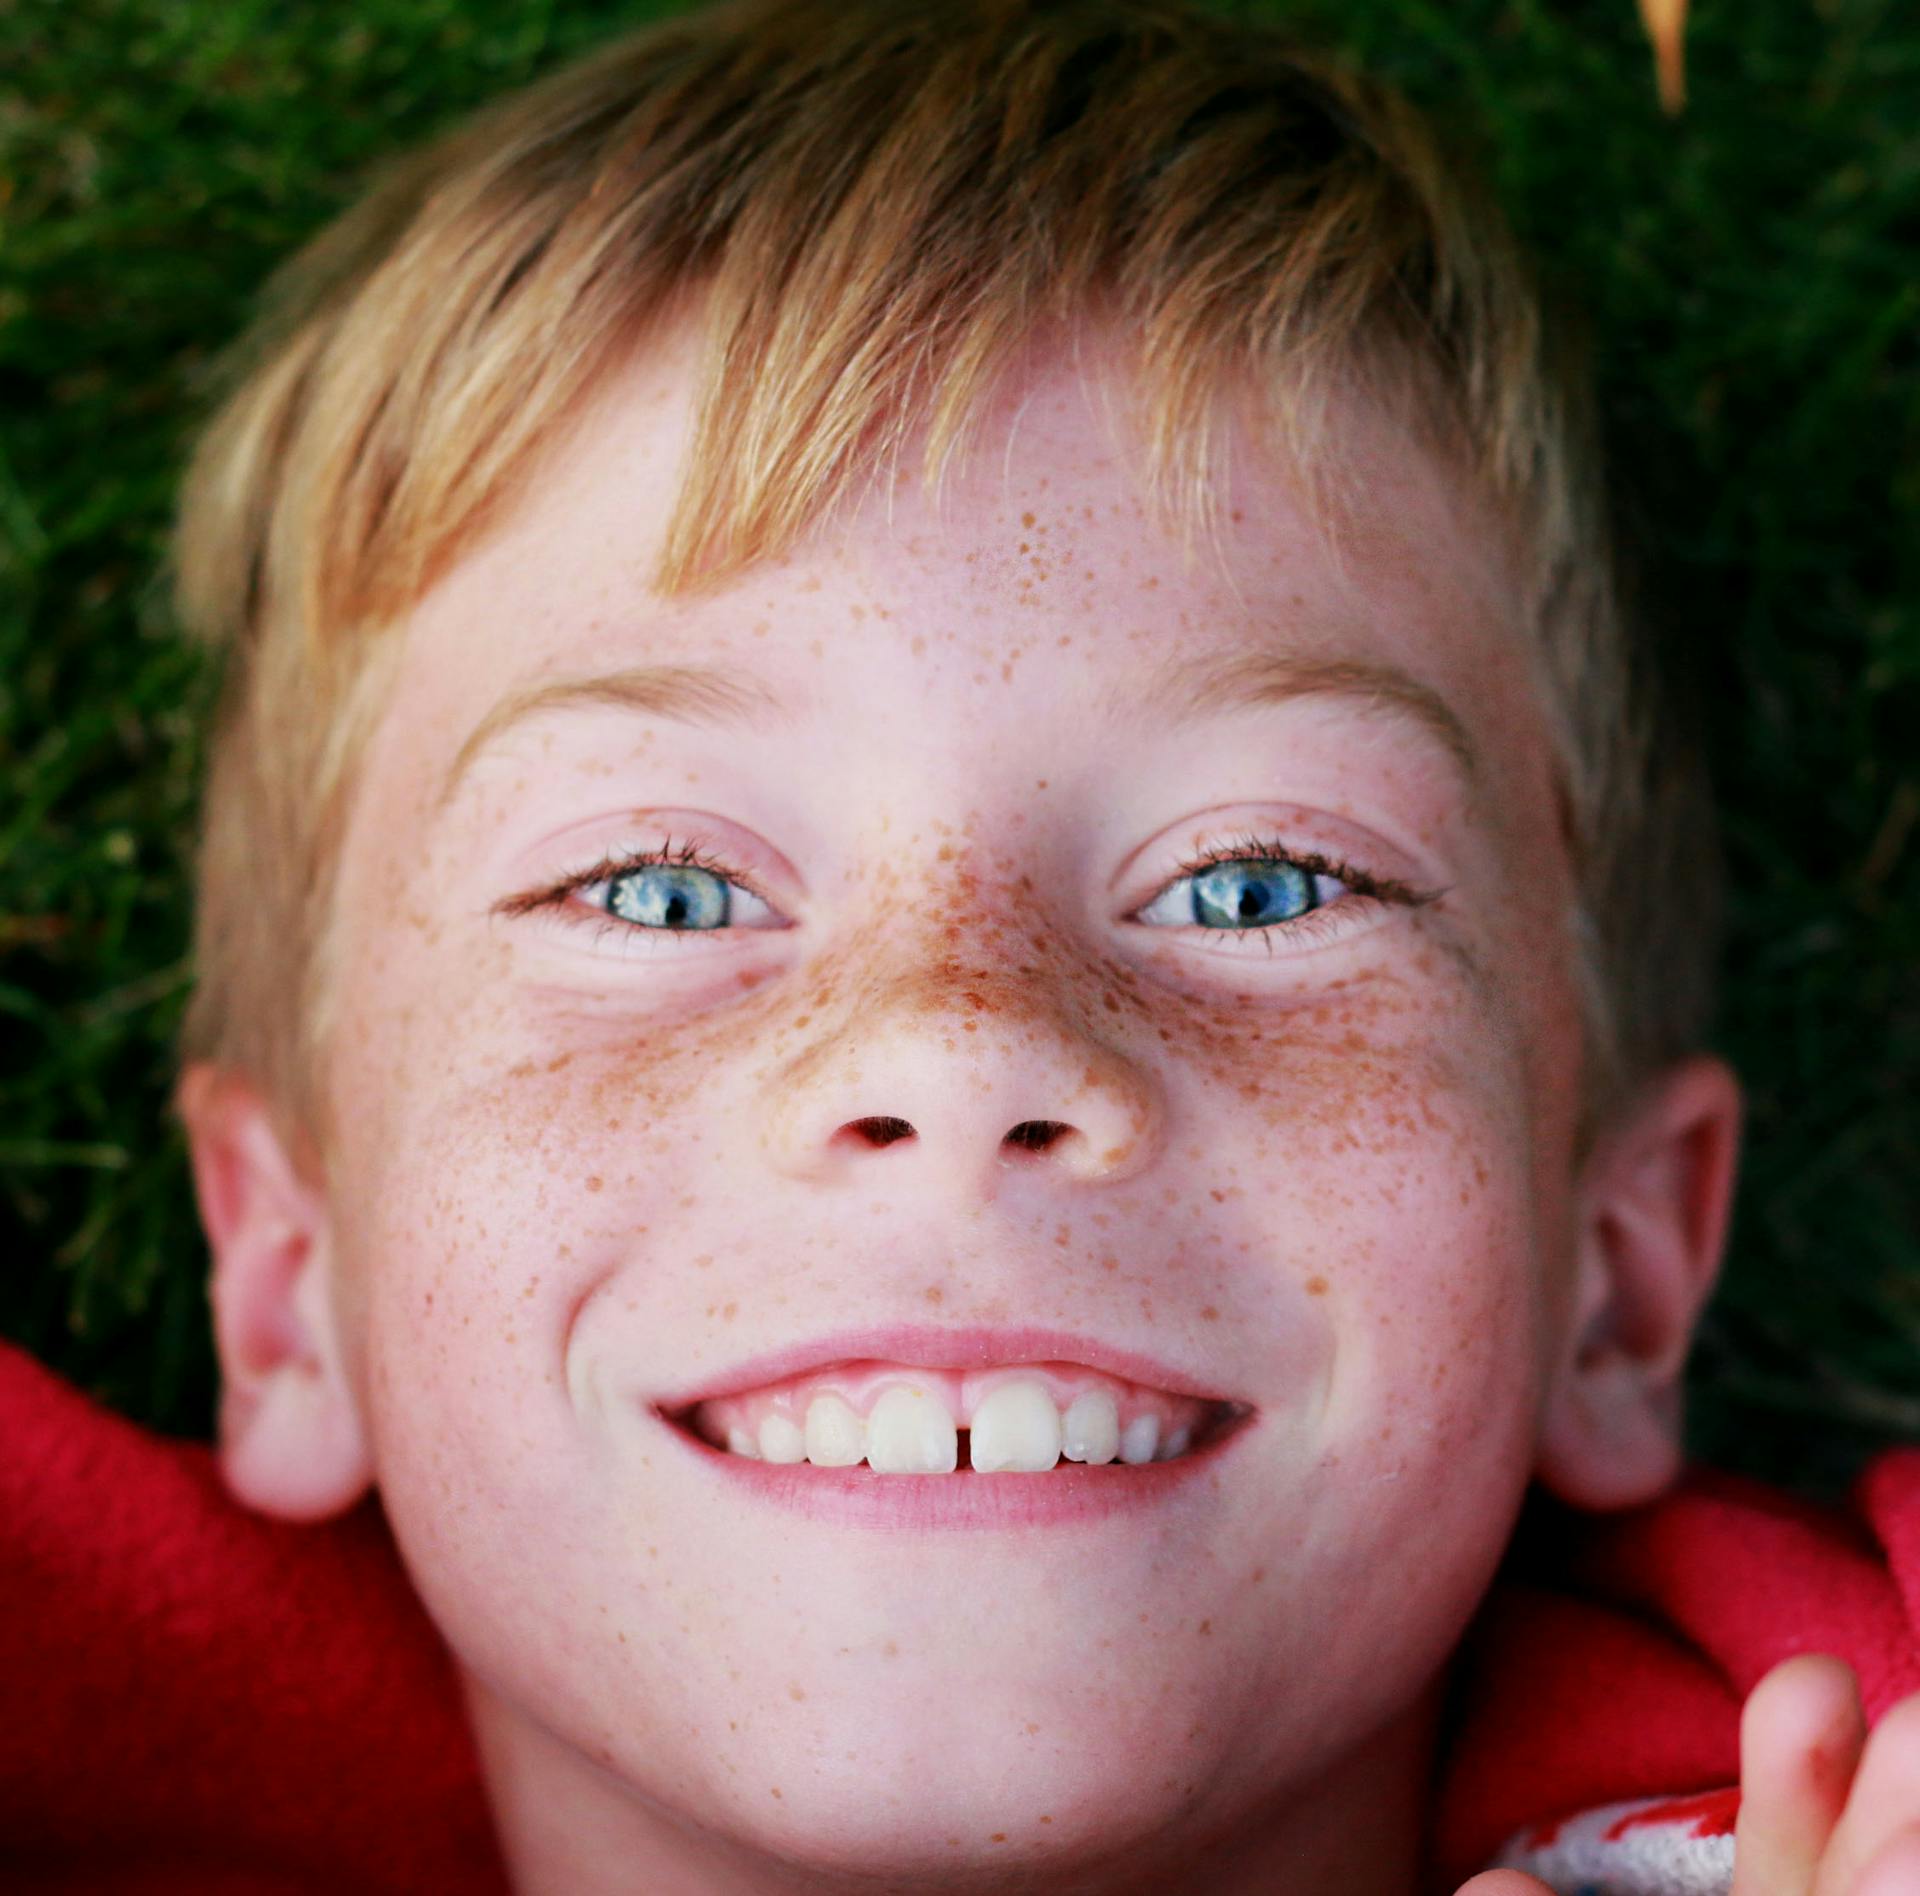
(1750, 275)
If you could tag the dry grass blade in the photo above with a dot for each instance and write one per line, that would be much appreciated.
(1666, 24)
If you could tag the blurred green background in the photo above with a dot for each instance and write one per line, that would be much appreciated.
(1749, 274)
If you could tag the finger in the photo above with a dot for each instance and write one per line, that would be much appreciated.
(1884, 1802)
(1504, 1883)
(1895, 1869)
(1801, 1733)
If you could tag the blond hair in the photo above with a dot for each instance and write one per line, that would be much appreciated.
(876, 205)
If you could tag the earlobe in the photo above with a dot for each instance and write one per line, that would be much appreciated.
(291, 1439)
(1651, 1211)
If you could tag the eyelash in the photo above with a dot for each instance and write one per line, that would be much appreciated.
(1308, 929)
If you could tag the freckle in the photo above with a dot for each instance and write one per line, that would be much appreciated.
(1026, 520)
(730, 1312)
(999, 1836)
(934, 1294)
(918, 646)
(558, 1061)
(775, 1789)
(1109, 1263)
(890, 1650)
(1258, 1574)
(594, 1183)
(1211, 1314)
(1206, 1629)
(794, 1692)
(703, 1260)
(1316, 1286)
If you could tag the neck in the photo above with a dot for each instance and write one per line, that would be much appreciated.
(567, 1824)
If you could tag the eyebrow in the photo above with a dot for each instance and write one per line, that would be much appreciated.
(688, 694)
(1185, 691)
(1204, 687)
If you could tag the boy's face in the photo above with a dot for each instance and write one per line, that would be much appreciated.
(583, 1165)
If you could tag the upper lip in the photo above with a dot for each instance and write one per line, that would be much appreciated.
(927, 1346)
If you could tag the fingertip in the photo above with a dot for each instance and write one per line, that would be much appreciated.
(1801, 1736)
(1803, 1724)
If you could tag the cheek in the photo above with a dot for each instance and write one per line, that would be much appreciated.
(1380, 1159)
(484, 1217)
(1389, 1175)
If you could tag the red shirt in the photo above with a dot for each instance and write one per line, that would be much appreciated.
(198, 1699)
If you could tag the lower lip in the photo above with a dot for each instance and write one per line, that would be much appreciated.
(1067, 1493)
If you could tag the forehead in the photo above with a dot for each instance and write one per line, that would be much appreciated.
(1040, 573)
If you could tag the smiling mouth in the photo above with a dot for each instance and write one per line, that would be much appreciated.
(917, 1421)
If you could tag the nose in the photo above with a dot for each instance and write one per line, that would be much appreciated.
(946, 1085)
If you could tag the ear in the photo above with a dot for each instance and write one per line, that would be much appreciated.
(291, 1440)
(1651, 1208)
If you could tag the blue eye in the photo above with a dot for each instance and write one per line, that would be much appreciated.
(660, 895)
(668, 891)
(677, 898)
(1249, 892)
(1253, 887)
(1232, 893)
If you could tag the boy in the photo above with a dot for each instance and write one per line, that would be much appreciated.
(751, 1003)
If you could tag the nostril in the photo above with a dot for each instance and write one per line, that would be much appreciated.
(880, 1129)
(1036, 1135)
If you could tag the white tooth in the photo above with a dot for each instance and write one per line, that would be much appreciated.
(739, 1442)
(909, 1432)
(836, 1437)
(781, 1440)
(1175, 1444)
(1141, 1438)
(1091, 1431)
(1016, 1428)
